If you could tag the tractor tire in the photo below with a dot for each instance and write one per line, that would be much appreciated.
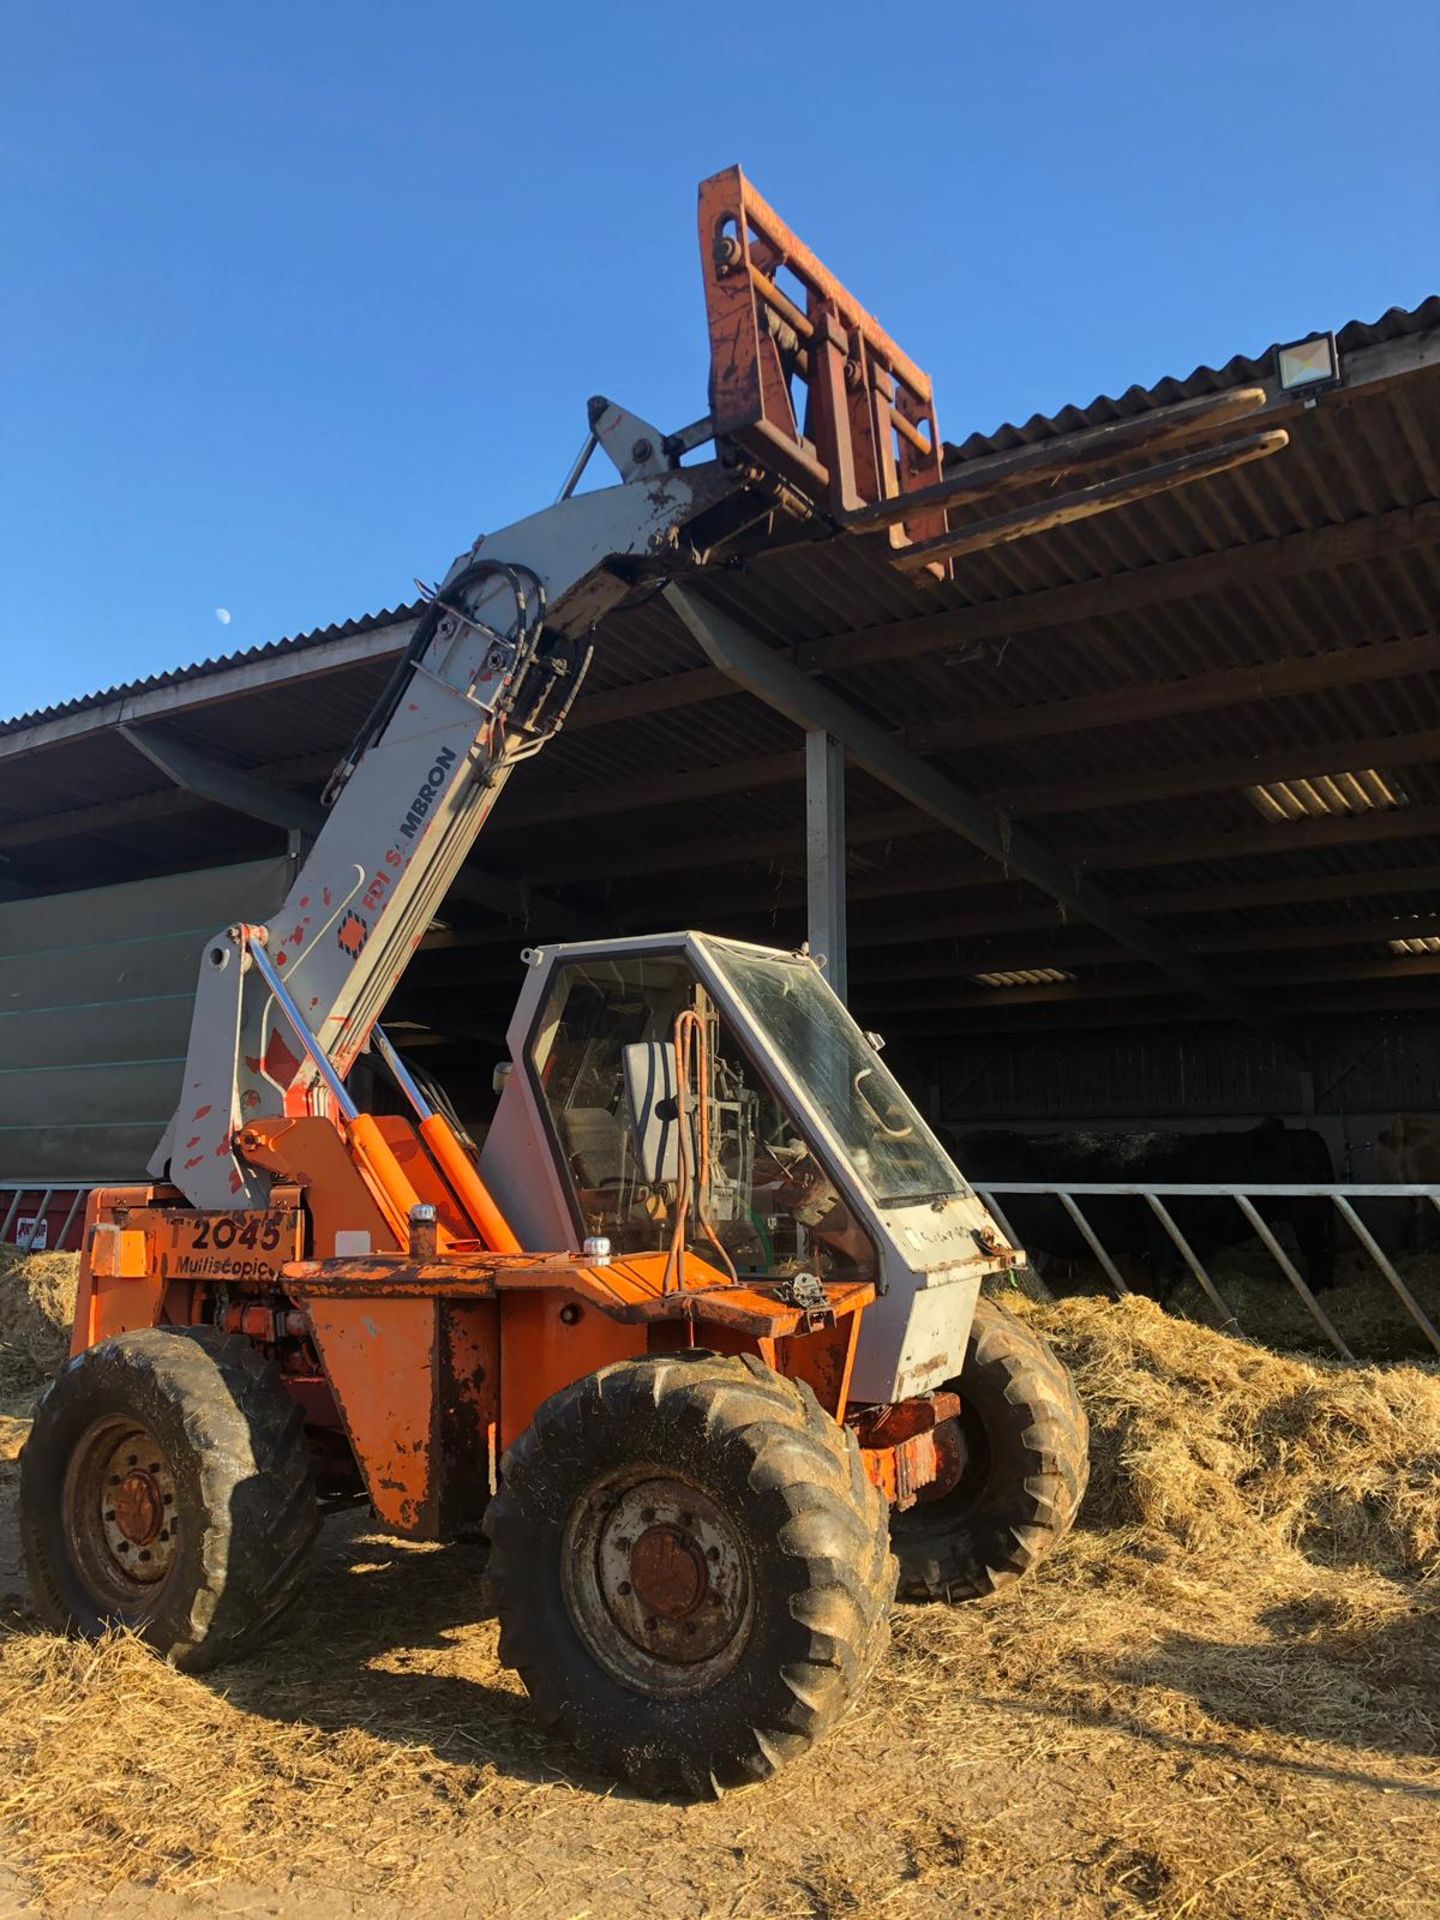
(166, 1486)
(1026, 1463)
(691, 1570)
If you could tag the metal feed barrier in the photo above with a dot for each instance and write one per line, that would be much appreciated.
(1155, 1196)
(25, 1210)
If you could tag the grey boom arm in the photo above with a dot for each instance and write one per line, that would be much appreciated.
(488, 679)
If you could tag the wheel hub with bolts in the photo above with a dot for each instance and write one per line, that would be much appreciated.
(123, 1514)
(658, 1582)
(137, 1501)
(952, 1456)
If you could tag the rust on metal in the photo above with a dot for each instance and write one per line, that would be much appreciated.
(891, 1426)
(668, 1572)
(1103, 497)
(379, 1358)
(139, 1507)
(1045, 461)
(910, 1446)
(824, 1360)
(866, 431)
(951, 1455)
(902, 1472)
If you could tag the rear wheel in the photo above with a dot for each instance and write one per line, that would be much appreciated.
(166, 1486)
(1022, 1445)
(691, 1570)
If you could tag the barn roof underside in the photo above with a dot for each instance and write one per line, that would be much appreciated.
(1222, 704)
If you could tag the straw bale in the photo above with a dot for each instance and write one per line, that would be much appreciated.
(37, 1304)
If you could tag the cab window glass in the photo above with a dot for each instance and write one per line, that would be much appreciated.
(840, 1075)
(766, 1197)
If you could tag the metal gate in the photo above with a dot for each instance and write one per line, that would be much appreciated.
(41, 1219)
(1341, 1197)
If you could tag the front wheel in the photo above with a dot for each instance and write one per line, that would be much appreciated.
(1022, 1443)
(166, 1486)
(691, 1571)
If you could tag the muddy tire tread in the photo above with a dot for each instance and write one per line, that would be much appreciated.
(1037, 1429)
(257, 1508)
(828, 1548)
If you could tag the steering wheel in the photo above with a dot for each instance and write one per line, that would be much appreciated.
(891, 1133)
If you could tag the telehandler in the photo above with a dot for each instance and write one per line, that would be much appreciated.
(699, 1340)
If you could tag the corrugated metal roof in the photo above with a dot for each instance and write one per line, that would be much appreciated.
(243, 656)
(1396, 323)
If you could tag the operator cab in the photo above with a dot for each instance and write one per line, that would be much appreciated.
(690, 1094)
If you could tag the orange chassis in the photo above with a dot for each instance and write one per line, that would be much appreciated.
(420, 1361)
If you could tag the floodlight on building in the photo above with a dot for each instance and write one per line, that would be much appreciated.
(1308, 366)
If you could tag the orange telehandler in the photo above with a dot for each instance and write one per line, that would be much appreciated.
(698, 1339)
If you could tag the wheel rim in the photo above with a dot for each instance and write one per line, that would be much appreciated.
(955, 1454)
(966, 1461)
(658, 1582)
(121, 1515)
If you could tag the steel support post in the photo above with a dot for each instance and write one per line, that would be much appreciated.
(762, 670)
(825, 853)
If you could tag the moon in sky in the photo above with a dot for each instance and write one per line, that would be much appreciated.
(222, 614)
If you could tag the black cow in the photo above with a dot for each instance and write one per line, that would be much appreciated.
(1270, 1153)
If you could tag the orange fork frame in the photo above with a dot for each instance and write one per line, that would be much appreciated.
(869, 432)
(866, 445)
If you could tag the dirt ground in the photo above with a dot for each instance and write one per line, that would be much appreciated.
(1217, 1703)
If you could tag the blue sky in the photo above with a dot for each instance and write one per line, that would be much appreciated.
(297, 299)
